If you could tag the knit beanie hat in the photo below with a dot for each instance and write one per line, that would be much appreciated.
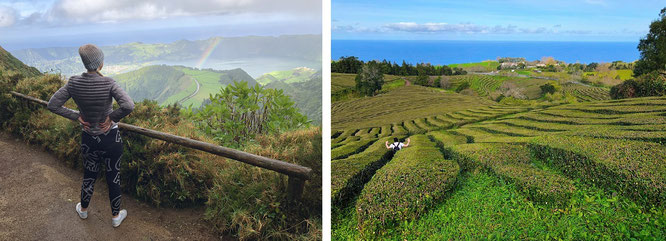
(91, 56)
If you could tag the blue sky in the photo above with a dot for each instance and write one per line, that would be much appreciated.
(51, 23)
(511, 20)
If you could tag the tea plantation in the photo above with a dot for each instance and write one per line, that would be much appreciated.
(478, 169)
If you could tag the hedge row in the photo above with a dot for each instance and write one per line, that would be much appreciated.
(424, 125)
(512, 161)
(417, 178)
(362, 132)
(349, 175)
(398, 130)
(439, 123)
(351, 148)
(343, 136)
(412, 128)
(385, 131)
(637, 169)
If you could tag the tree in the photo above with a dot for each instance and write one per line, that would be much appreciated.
(653, 48)
(550, 88)
(370, 79)
(350, 65)
(422, 79)
(438, 82)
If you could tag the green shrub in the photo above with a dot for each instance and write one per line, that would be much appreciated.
(513, 162)
(634, 168)
(398, 129)
(251, 202)
(421, 123)
(351, 148)
(343, 136)
(349, 175)
(385, 131)
(415, 179)
(462, 86)
(412, 128)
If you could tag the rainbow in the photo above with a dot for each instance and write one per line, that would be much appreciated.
(209, 50)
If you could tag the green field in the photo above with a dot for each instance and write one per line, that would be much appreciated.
(485, 66)
(210, 84)
(478, 169)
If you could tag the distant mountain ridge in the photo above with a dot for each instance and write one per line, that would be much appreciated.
(297, 48)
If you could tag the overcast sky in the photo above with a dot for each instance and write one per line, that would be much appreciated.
(526, 20)
(49, 23)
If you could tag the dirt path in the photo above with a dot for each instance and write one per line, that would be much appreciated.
(407, 82)
(38, 194)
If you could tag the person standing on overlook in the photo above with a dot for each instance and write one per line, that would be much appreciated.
(100, 139)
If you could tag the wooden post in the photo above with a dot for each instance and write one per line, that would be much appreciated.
(295, 188)
(297, 174)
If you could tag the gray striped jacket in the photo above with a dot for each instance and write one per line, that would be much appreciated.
(94, 95)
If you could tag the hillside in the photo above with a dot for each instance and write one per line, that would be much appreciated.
(397, 105)
(10, 63)
(300, 74)
(178, 84)
(306, 94)
(260, 53)
(189, 86)
(478, 169)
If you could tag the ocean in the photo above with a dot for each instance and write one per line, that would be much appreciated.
(442, 52)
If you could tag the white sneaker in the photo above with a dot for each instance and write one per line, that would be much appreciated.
(121, 216)
(82, 215)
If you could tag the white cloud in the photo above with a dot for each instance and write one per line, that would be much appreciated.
(461, 28)
(7, 16)
(103, 11)
(435, 27)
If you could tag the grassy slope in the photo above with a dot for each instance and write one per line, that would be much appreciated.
(210, 84)
(9, 63)
(400, 104)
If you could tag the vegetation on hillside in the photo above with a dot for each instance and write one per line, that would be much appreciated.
(240, 200)
(575, 171)
(178, 84)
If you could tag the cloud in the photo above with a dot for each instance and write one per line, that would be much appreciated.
(354, 29)
(7, 16)
(104, 11)
(462, 28)
(435, 27)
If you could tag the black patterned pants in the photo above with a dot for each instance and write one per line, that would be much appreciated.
(108, 149)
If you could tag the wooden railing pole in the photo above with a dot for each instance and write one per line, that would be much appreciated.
(297, 174)
(295, 188)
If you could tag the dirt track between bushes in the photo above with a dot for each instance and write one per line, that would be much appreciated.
(38, 194)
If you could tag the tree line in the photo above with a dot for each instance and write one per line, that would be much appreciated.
(352, 65)
(650, 69)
